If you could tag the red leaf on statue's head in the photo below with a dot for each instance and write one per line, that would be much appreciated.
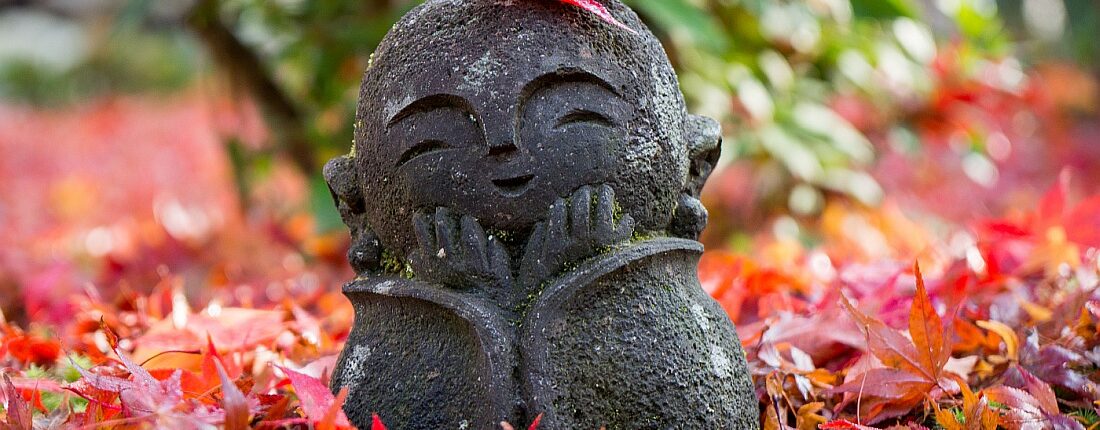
(505, 425)
(600, 10)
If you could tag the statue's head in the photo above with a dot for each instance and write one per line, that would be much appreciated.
(495, 108)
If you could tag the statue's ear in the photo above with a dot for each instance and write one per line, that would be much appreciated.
(704, 141)
(365, 253)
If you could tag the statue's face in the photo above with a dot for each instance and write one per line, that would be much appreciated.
(501, 125)
(505, 159)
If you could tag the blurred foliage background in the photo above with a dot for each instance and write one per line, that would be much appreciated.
(961, 108)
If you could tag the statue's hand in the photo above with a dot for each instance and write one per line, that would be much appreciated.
(573, 231)
(455, 251)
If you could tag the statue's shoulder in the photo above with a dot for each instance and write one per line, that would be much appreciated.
(437, 342)
(634, 321)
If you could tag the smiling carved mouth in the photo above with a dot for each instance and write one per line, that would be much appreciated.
(514, 186)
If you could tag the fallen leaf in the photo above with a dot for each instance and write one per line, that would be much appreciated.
(316, 399)
(886, 383)
(1007, 334)
(890, 346)
(809, 417)
(1055, 365)
(19, 414)
(234, 403)
(926, 329)
(845, 425)
(31, 349)
(329, 422)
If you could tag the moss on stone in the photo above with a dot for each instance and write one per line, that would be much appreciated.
(642, 236)
(528, 302)
(395, 265)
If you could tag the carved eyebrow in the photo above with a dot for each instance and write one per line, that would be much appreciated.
(429, 103)
(566, 75)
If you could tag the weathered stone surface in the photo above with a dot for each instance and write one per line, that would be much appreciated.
(629, 340)
(523, 201)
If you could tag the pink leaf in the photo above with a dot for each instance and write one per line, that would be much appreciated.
(141, 376)
(315, 397)
(102, 382)
(19, 412)
(1044, 395)
(1021, 408)
(886, 383)
(233, 402)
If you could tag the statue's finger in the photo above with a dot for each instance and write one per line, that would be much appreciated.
(580, 214)
(536, 243)
(425, 234)
(419, 263)
(499, 262)
(473, 242)
(625, 229)
(557, 228)
(604, 223)
(534, 252)
(446, 233)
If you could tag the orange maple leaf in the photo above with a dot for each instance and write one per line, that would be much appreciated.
(914, 365)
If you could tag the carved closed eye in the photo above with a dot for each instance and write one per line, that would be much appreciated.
(584, 116)
(423, 147)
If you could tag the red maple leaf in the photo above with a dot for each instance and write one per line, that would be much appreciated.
(19, 414)
(600, 10)
(29, 348)
(844, 425)
(1033, 404)
(914, 368)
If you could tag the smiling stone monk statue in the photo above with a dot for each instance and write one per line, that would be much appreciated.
(523, 201)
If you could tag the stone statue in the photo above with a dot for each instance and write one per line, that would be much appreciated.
(523, 201)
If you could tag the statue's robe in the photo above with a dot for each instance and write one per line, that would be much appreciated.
(628, 339)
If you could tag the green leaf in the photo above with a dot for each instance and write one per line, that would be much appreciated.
(1084, 19)
(324, 210)
(796, 157)
(883, 9)
(68, 373)
(680, 15)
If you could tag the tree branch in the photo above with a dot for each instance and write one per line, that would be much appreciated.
(248, 73)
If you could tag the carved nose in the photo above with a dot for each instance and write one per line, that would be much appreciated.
(502, 147)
